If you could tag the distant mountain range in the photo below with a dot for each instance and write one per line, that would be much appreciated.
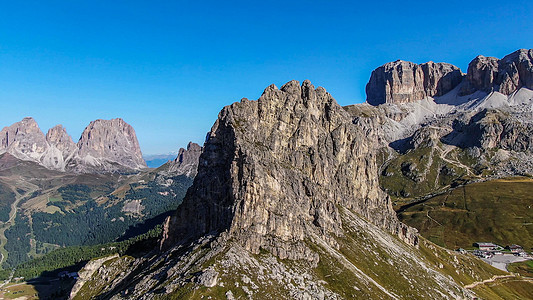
(56, 193)
(290, 197)
(294, 196)
(104, 146)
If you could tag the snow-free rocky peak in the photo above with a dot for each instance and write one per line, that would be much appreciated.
(109, 145)
(58, 137)
(276, 170)
(402, 81)
(105, 146)
(23, 140)
(186, 163)
(504, 75)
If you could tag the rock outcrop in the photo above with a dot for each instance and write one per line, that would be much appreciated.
(493, 129)
(277, 170)
(61, 148)
(105, 146)
(58, 137)
(87, 272)
(186, 163)
(403, 81)
(23, 140)
(108, 145)
(504, 75)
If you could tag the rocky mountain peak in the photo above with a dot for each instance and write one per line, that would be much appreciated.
(277, 170)
(105, 146)
(504, 75)
(110, 141)
(58, 137)
(186, 163)
(60, 148)
(23, 139)
(403, 81)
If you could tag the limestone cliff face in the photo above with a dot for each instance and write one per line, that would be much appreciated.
(58, 137)
(504, 75)
(494, 129)
(105, 146)
(108, 145)
(277, 170)
(186, 163)
(403, 81)
(23, 140)
(60, 148)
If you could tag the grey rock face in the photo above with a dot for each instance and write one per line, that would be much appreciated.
(208, 277)
(23, 140)
(61, 148)
(59, 138)
(490, 129)
(276, 170)
(105, 146)
(402, 81)
(505, 76)
(108, 145)
(186, 163)
(481, 75)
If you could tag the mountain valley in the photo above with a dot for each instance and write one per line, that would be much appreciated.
(45, 208)
(292, 196)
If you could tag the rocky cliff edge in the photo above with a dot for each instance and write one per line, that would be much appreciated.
(277, 170)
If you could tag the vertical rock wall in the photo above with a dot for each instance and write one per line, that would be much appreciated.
(275, 170)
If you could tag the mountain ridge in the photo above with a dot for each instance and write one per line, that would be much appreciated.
(104, 146)
(289, 200)
(403, 81)
(287, 203)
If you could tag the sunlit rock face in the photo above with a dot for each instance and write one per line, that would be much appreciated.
(403, 81)
(277, 170)
(24, 140)
(505, 75)
(186, 163)
(105, 146)
(108, 145)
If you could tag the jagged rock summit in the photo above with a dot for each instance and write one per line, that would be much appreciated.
(186, 163)
(287, 205)
(105, 146)
(504, 75)
(61, 148)
(108, 145)
(24, 140)
(277, 170)
(402, 81)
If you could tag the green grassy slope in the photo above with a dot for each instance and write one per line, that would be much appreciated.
(524, 268)
(498, 211)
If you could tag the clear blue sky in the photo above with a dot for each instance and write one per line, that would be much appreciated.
(168, 67)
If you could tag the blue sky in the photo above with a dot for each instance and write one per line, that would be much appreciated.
(168, 67)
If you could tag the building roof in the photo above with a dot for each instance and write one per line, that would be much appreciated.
(480, 244)
(515, 247)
